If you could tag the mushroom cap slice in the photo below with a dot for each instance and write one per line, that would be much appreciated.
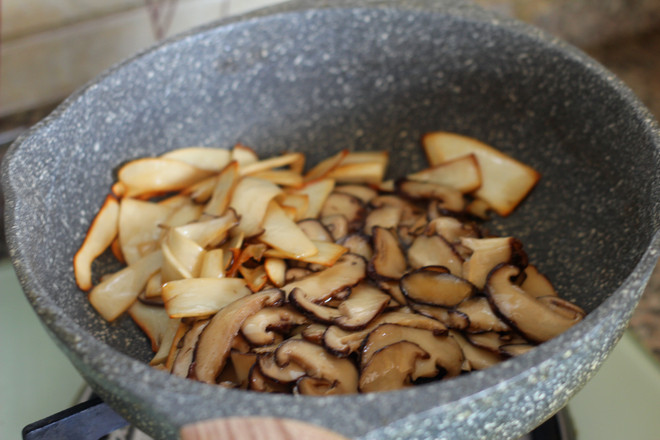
(287, 373)
(434, 250)
(488, 253)
(443, 351)
(481, 316)
(533, 318)
(319, 363)
(450, 317)
(434, 285)
(449, 198)
(391, 367)
(358, 244)
(477, 358)
(216, 339)
(388, 260)
(536, 283)
(261, 327)
(347, 205)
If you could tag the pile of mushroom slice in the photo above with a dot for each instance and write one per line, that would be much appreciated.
(252, 273)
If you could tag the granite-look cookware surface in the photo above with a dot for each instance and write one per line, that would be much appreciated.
(318, 77)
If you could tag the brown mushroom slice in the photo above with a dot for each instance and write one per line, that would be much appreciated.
(434, 250)
(362, 192)
(319, 363)
(434, 285)
(388, 260)
(138, 223)
(486, 340)
(206, 158)
(386, 217)
(462, 173)
(481, 316)
(215, 341)
(257, 381)
(344, 342)
(337, 225)
(349, 270)
(101, 234)
(393, 289)
(513, 350)
(315, 230)
(314, 333)
(443, 350)
(153, 320)
(531, 317)
(505, 181)
(157, 175)
(201, 296)
(476, 358)
(450, 317)
(347, 205)
(283, 234)
(451, 229)
(185, 355)
(312, 386)
(242, 363)
(391, 367)
(317, 192)
(537, 284)
(210, 232)
(296, 273)
(488, 253)
(117, 292)
(562, 306)
(287, 373)
(260, 328)
(450, 198)
(358, 244)
(250, 199)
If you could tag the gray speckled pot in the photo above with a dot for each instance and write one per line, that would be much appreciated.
(318, 77)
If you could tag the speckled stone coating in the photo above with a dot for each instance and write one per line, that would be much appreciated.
(318, 77)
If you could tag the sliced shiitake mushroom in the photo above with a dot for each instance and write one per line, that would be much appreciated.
(281, 373)
(315, 230)
(512, 350)
(391, 367)
(450, 198)
(185, 355)
(261, 328)
(434, 285)
(347, 205)
(488, 253)
(536, 283)
(450, 317)
(337, 225)
(434, 250)
(534, 319)
(318, 363)
(388, 260)
(481, 316)
(362, 192)
(477, 358)
(386, 217)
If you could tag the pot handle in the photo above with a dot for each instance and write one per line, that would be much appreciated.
(256, 428)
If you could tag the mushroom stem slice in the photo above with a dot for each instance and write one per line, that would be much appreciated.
(533, 318)
(216, 339)
(201, 296)
(391, 367)
(462, 173)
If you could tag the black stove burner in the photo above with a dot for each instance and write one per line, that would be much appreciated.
(94, 420)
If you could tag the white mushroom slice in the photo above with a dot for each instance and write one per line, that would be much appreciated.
(434, 285)
(216, 339)
(255, 277)
(153, 320)
(344, 342)
(260, 328)
(488, 253)
(362, 192)
(391, 367)
(363, 304)
(320, 364)
(444, 352)
(434, 250)
(281, 177)
(450, 317)
(386, 217)
(534, 319)
(201, 296)
(505, 181)
(358, 244)
(166, 343)
(202, 191)
(449, 198)
(210, 232)
(212, 264)
(206, 158)
(117, 292)
(321, 169)
(272, 163)
(381, 157)
(182, 257)
(481, 316)
(479, 208)
(138, 224)
(388, 260)
(359, 172)
(317, 192)
(185, 355)
(283, 234)
(337, 225)
(299, 202)
(461, 173)
(537, 284)
(183, 214)
(244, 155)
(250, 200)
(223, 191)
(315, 230)
(153, 287)
(153, 176)
(327, 254)
(347, 205)
(275, 270)
(346, 272)
(409, 212)
(100, 236)
(477, 358)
